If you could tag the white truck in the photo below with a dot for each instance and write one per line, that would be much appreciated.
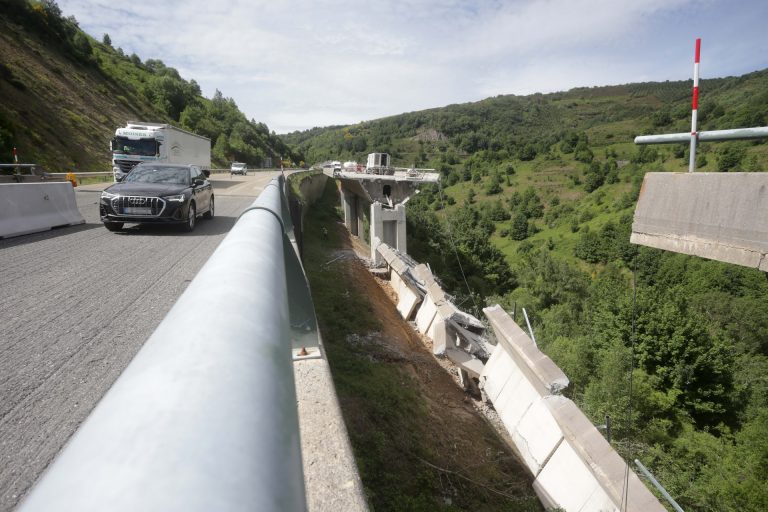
(152, 142)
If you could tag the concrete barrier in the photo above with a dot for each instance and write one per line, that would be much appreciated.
(32, 207)
(720, 216)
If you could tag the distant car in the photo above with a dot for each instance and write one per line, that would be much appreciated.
(158, 193)
(238, 168)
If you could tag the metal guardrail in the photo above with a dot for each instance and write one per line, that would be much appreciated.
(711, 136)
(79, 174)
(204, 417)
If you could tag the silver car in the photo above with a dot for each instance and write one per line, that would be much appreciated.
(238, 168)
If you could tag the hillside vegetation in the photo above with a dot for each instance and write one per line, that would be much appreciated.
(64, 93)
(536, 205)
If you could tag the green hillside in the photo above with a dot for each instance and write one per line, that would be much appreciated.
(536, 205)
(64, 93)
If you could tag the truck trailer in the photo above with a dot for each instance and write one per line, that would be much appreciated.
(153, 142)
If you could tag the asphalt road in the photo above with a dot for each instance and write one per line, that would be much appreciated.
(76, 304)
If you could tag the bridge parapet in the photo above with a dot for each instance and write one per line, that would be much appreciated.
(712, 215)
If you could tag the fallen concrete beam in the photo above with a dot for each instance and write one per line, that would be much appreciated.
(408, 297)
(540, 369)
(465, 361)
(584, 472)
(715, 216)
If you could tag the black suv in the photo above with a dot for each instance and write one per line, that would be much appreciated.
(158, 193)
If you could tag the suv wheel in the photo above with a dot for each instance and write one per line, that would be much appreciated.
(209, 213)
(191, 218)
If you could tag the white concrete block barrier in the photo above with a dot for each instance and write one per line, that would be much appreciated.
(574, 467)
(584, 472)
(32, 207)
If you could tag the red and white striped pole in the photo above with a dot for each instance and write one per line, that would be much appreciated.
(695, 106)
(15, 156)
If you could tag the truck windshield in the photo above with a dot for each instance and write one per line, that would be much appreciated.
(126, 146)
(158, 174)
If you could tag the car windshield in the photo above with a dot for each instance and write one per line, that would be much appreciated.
(238, 166)
(159, 174)
(126, 146)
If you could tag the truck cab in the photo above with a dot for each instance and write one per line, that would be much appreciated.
(139, 142)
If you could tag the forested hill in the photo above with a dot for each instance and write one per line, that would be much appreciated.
(64, 93)
(520, 127)
(536, 205)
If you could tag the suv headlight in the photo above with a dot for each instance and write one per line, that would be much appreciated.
(178, 198)
(108, 195)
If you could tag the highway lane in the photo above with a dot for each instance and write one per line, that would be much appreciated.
(76, 304)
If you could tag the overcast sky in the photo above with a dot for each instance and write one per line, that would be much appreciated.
(299, 64)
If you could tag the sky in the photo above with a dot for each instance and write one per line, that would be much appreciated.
(297, 64)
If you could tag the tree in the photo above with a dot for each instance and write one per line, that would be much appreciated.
(106, 40)
(81, 45)
(644, 155)
(594, 179)
(661, 118)
(582, 153)
(519, 229)
(729, 158)
(527, 152)
(590, 247)
(529, 203)
(494, 185)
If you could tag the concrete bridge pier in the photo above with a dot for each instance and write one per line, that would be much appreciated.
(388, 226)
(349, 205)
(374, 204)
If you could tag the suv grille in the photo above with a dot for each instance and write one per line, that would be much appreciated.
(145, 206)
(126, 165)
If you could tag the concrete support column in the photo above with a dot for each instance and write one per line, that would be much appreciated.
(387, 226)
(346, 203)
(377, 232)
(360, 212)
(400, 218)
